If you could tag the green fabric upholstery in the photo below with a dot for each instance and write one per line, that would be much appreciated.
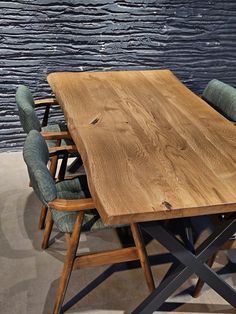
(71, 189)
(222, 97)
(36, 157)
(27, 115)
(29, 119)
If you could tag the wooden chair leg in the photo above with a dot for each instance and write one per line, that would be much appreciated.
(47, 231)
(53, 166)
(200, 282)
(68, 264)
(54, 162)
(143, 256)
(42, 217)
(68, 237)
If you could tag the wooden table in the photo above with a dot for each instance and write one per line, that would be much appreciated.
(152, 149)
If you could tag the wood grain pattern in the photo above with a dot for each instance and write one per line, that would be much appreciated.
(56, 150)
(45, 102)
(56, 135)
(142, 253)
(106, 258)
(151, 148)
(72, 205)
(68, 264)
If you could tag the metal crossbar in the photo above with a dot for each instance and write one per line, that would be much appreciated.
(190, 263)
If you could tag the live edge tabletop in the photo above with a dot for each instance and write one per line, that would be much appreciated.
(151, 148)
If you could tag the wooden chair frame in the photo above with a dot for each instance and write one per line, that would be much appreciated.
(74, 261)
(47, 103)
(54, 152)
(57, 136)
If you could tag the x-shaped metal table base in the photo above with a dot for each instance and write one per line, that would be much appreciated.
(190, 263)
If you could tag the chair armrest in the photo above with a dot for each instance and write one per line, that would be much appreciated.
(45, 102)
(56, 135)
(72, 205)
(57, 150)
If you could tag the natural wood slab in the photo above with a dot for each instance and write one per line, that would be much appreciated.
(152, 149)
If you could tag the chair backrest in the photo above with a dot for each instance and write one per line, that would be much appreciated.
(36, 157)
(222, 97)
(27, 114)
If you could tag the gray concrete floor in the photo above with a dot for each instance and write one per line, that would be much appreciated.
(29, 276)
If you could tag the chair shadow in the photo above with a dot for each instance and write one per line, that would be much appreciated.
(126, 306)
(6, 248)
(196, 308)
(30, 220)
(31, 216)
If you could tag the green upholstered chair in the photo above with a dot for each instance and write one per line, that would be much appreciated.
(222, 97)
(55, 134)
(36, 156)
(72, 211)
(30, 121)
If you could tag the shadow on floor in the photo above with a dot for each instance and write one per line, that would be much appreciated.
(92, 297)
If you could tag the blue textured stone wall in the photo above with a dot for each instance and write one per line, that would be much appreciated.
(196, 39)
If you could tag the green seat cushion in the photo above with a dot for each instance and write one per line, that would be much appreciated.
(71, 189)
(222, 97)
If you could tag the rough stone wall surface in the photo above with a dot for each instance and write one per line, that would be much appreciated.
(195, 39)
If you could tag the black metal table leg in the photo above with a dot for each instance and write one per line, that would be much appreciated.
(164, 290)
(190, 263)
